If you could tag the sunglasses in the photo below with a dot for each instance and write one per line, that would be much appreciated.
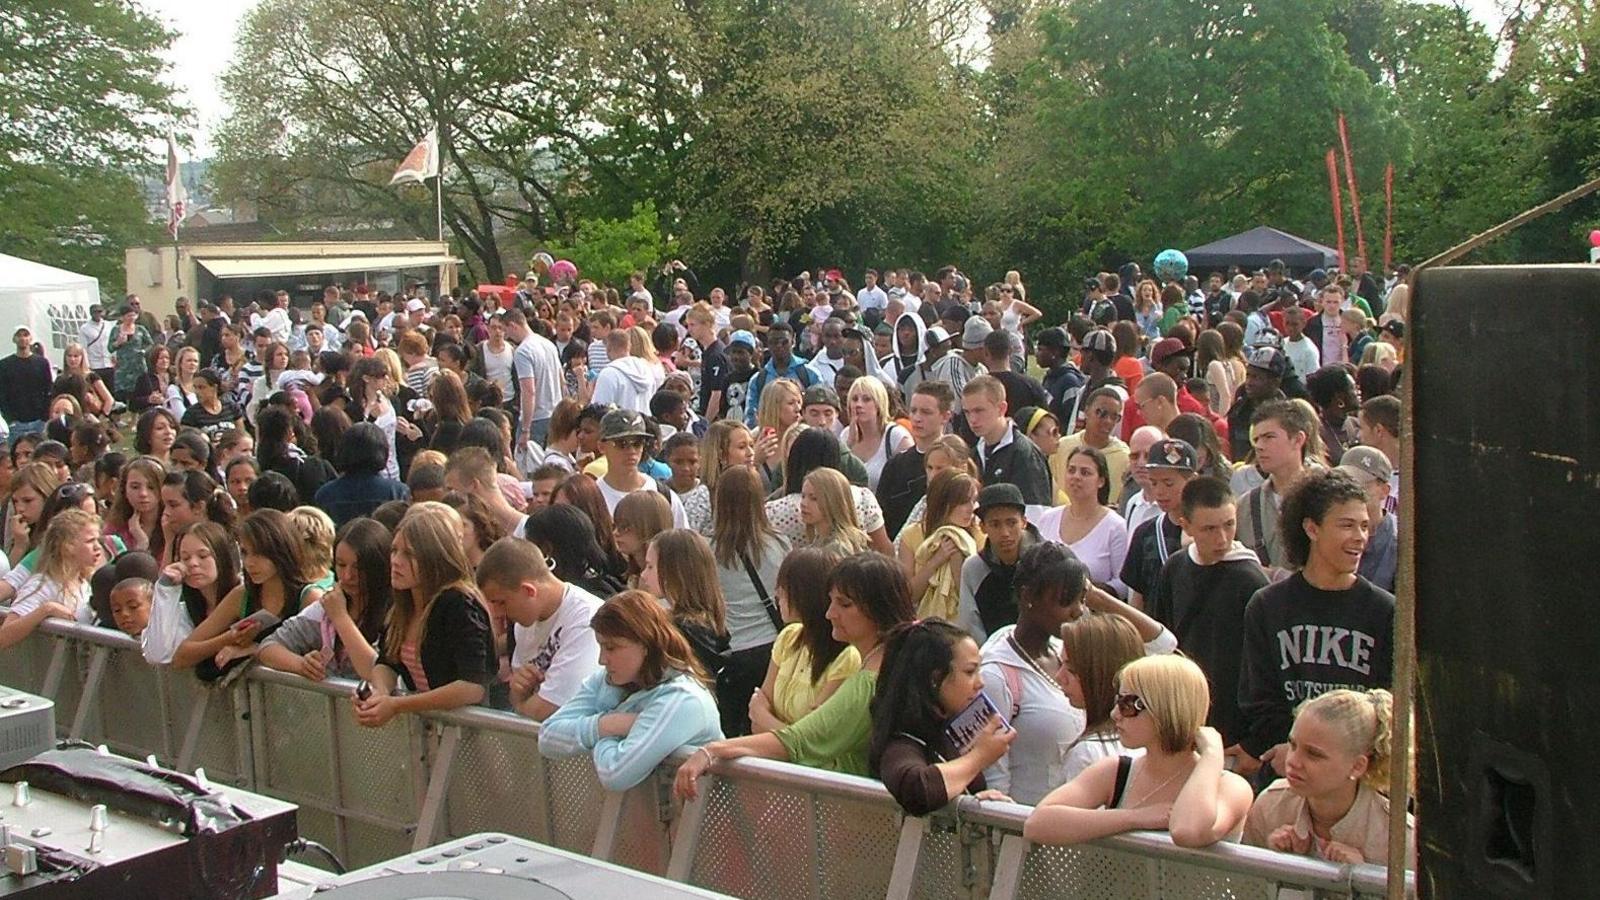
(72, 492)
(630, 443)
(1129, 706)
(1107, 414)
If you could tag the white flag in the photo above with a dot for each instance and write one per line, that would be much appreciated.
(177, 195)
(421, 163)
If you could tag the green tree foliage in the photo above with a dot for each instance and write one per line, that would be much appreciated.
(80, 83)
(609, 250)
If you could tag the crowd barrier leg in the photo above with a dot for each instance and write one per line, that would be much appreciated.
(605, 836)
(1008, 868)
(57, 668)
(191, 733)
(687, 842)
(907, 853)
(91, 691)
(430, 817)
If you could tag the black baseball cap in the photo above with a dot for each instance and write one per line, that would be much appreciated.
(996, 495)
(1171, 453)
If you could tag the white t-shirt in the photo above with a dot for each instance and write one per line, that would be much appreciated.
(1046, 722)
(680, 516)
(40, 589)
(497, 367)
(871, 298)
(562, 646)
(1102, 550)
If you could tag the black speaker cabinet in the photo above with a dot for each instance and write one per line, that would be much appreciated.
(1504, 390)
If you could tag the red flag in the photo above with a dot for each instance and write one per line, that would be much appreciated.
(1355, 195)
(1388, 218)
(177, 195)
(1338, 206)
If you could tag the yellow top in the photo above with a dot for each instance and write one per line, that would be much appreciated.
(793, 693)
(1116, 460)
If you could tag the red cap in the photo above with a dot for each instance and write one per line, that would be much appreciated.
(1164, 348)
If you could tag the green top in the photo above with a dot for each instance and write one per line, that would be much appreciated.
(1171, 316)
(834, 736)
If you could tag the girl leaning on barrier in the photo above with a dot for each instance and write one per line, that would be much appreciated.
(437, 641)
(808, 663)
(68, 555)
(1334, 802)
(648, 699)
(868, 597)
(1178, 785)
(189, 589)
(930, 676)
(309, 644)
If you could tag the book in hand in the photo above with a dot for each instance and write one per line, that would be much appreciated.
(970, 722)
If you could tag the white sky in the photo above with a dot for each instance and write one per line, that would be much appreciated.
(204, 47)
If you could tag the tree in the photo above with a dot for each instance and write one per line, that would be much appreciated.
(80, 82)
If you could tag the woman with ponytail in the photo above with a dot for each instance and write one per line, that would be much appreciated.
(1334, 802)
(188, 497)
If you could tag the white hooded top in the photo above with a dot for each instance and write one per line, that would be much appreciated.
(629, 383)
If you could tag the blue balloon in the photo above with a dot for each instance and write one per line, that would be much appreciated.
(1171, 265)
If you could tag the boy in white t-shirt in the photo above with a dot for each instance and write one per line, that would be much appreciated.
(624, 438)
(552, 649)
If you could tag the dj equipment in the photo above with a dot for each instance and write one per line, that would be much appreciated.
(496, 867)
(81, 823)
(27, 726)
(1503, 383)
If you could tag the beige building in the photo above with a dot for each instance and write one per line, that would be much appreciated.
(162, 273)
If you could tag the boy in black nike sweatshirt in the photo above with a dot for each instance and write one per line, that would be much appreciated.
(1323, 627)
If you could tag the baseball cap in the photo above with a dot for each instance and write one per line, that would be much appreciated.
(973, 333)
(1319, 275)
(1268, 359)
(1003, 494)
(1171, 453)
(1165, 349)
(1100, 341)
(1394, 327)
(821, 393)
(415, 305)
(1053, 337)
(621, 423)
(1366, 464)
(936, 336)
(20, 329)
(742, 339)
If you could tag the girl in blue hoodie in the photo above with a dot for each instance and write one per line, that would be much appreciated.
(648, 699)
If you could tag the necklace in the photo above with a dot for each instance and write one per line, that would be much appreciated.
(1154, 791)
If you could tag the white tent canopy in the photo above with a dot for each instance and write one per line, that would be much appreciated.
(51, 302)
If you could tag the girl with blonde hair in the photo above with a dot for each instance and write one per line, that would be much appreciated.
(948, 452)
(778, 412)
(180, 393)
(437, 640)
(97, 400)
(872, 435)
(59, 589)
(1334, 802)
(1178, 785)
(828, 512)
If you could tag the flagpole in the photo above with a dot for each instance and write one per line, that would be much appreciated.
(438, 181)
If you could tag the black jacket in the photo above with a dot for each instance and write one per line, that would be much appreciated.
(901, 484)
(459, 645)
(1020, 463)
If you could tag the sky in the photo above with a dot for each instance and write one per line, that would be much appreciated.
(206, 31)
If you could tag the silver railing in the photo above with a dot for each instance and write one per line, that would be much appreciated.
(759, 829)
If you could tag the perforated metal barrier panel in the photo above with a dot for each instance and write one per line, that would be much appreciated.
(761, 830)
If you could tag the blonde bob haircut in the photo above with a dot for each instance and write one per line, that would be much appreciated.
(1176, 697)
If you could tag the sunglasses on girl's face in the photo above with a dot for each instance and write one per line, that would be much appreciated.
(1130, 705)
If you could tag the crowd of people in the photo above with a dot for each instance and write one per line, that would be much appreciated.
(1133, 569)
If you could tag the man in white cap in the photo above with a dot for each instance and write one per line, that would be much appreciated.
(1371, 469)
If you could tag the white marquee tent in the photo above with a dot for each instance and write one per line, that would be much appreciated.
(51, 302)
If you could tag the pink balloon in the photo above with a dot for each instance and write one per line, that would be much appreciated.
(563, 269)
(1594, 238)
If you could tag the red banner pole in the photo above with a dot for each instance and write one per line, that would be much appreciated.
(1338, 206)
(1388, 219)
(1355, 195)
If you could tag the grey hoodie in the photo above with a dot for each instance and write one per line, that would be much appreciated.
(629, 382)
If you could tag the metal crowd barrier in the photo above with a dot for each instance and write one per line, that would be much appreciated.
(759, 829)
